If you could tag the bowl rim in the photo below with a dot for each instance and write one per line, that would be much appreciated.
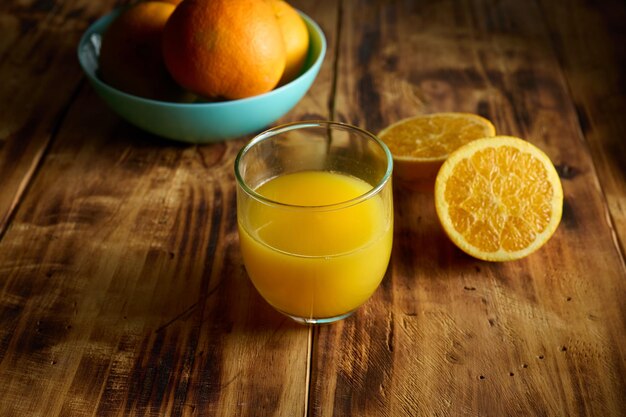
(94, 28)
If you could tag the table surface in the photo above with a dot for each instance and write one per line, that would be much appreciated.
(122, 289)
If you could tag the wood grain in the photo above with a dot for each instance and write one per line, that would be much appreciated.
(589, 45)
(447, 335)
(40, 76)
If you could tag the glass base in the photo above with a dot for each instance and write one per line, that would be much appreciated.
(323, 320)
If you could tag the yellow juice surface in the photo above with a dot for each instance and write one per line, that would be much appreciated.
(316, 262)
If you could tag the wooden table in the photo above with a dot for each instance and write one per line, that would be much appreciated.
(122, 289)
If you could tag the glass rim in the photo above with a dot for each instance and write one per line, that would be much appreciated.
(269, 133)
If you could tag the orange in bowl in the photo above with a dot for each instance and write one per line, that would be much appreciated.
(296, 38)
(130, 55)
(421, 144)
(228, 49)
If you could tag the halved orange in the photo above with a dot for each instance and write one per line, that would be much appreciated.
(420, 144)
(499, 199)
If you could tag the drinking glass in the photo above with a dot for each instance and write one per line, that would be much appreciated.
(315, 217)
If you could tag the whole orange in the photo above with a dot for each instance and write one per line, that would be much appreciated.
(131, 59)
(296, 37)
(224, 48)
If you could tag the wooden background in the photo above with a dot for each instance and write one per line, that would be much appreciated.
(122, 290)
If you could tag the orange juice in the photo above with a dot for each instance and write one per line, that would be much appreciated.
(317, 261)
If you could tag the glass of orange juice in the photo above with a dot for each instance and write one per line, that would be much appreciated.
(315, 217)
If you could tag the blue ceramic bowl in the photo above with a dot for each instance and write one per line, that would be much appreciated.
(201, 122)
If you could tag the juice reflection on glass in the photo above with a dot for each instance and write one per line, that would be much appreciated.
(315, 218)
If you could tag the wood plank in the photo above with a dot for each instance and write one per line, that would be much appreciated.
(590, 40)
(447, 335)
(40, 76)
(122, 290)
